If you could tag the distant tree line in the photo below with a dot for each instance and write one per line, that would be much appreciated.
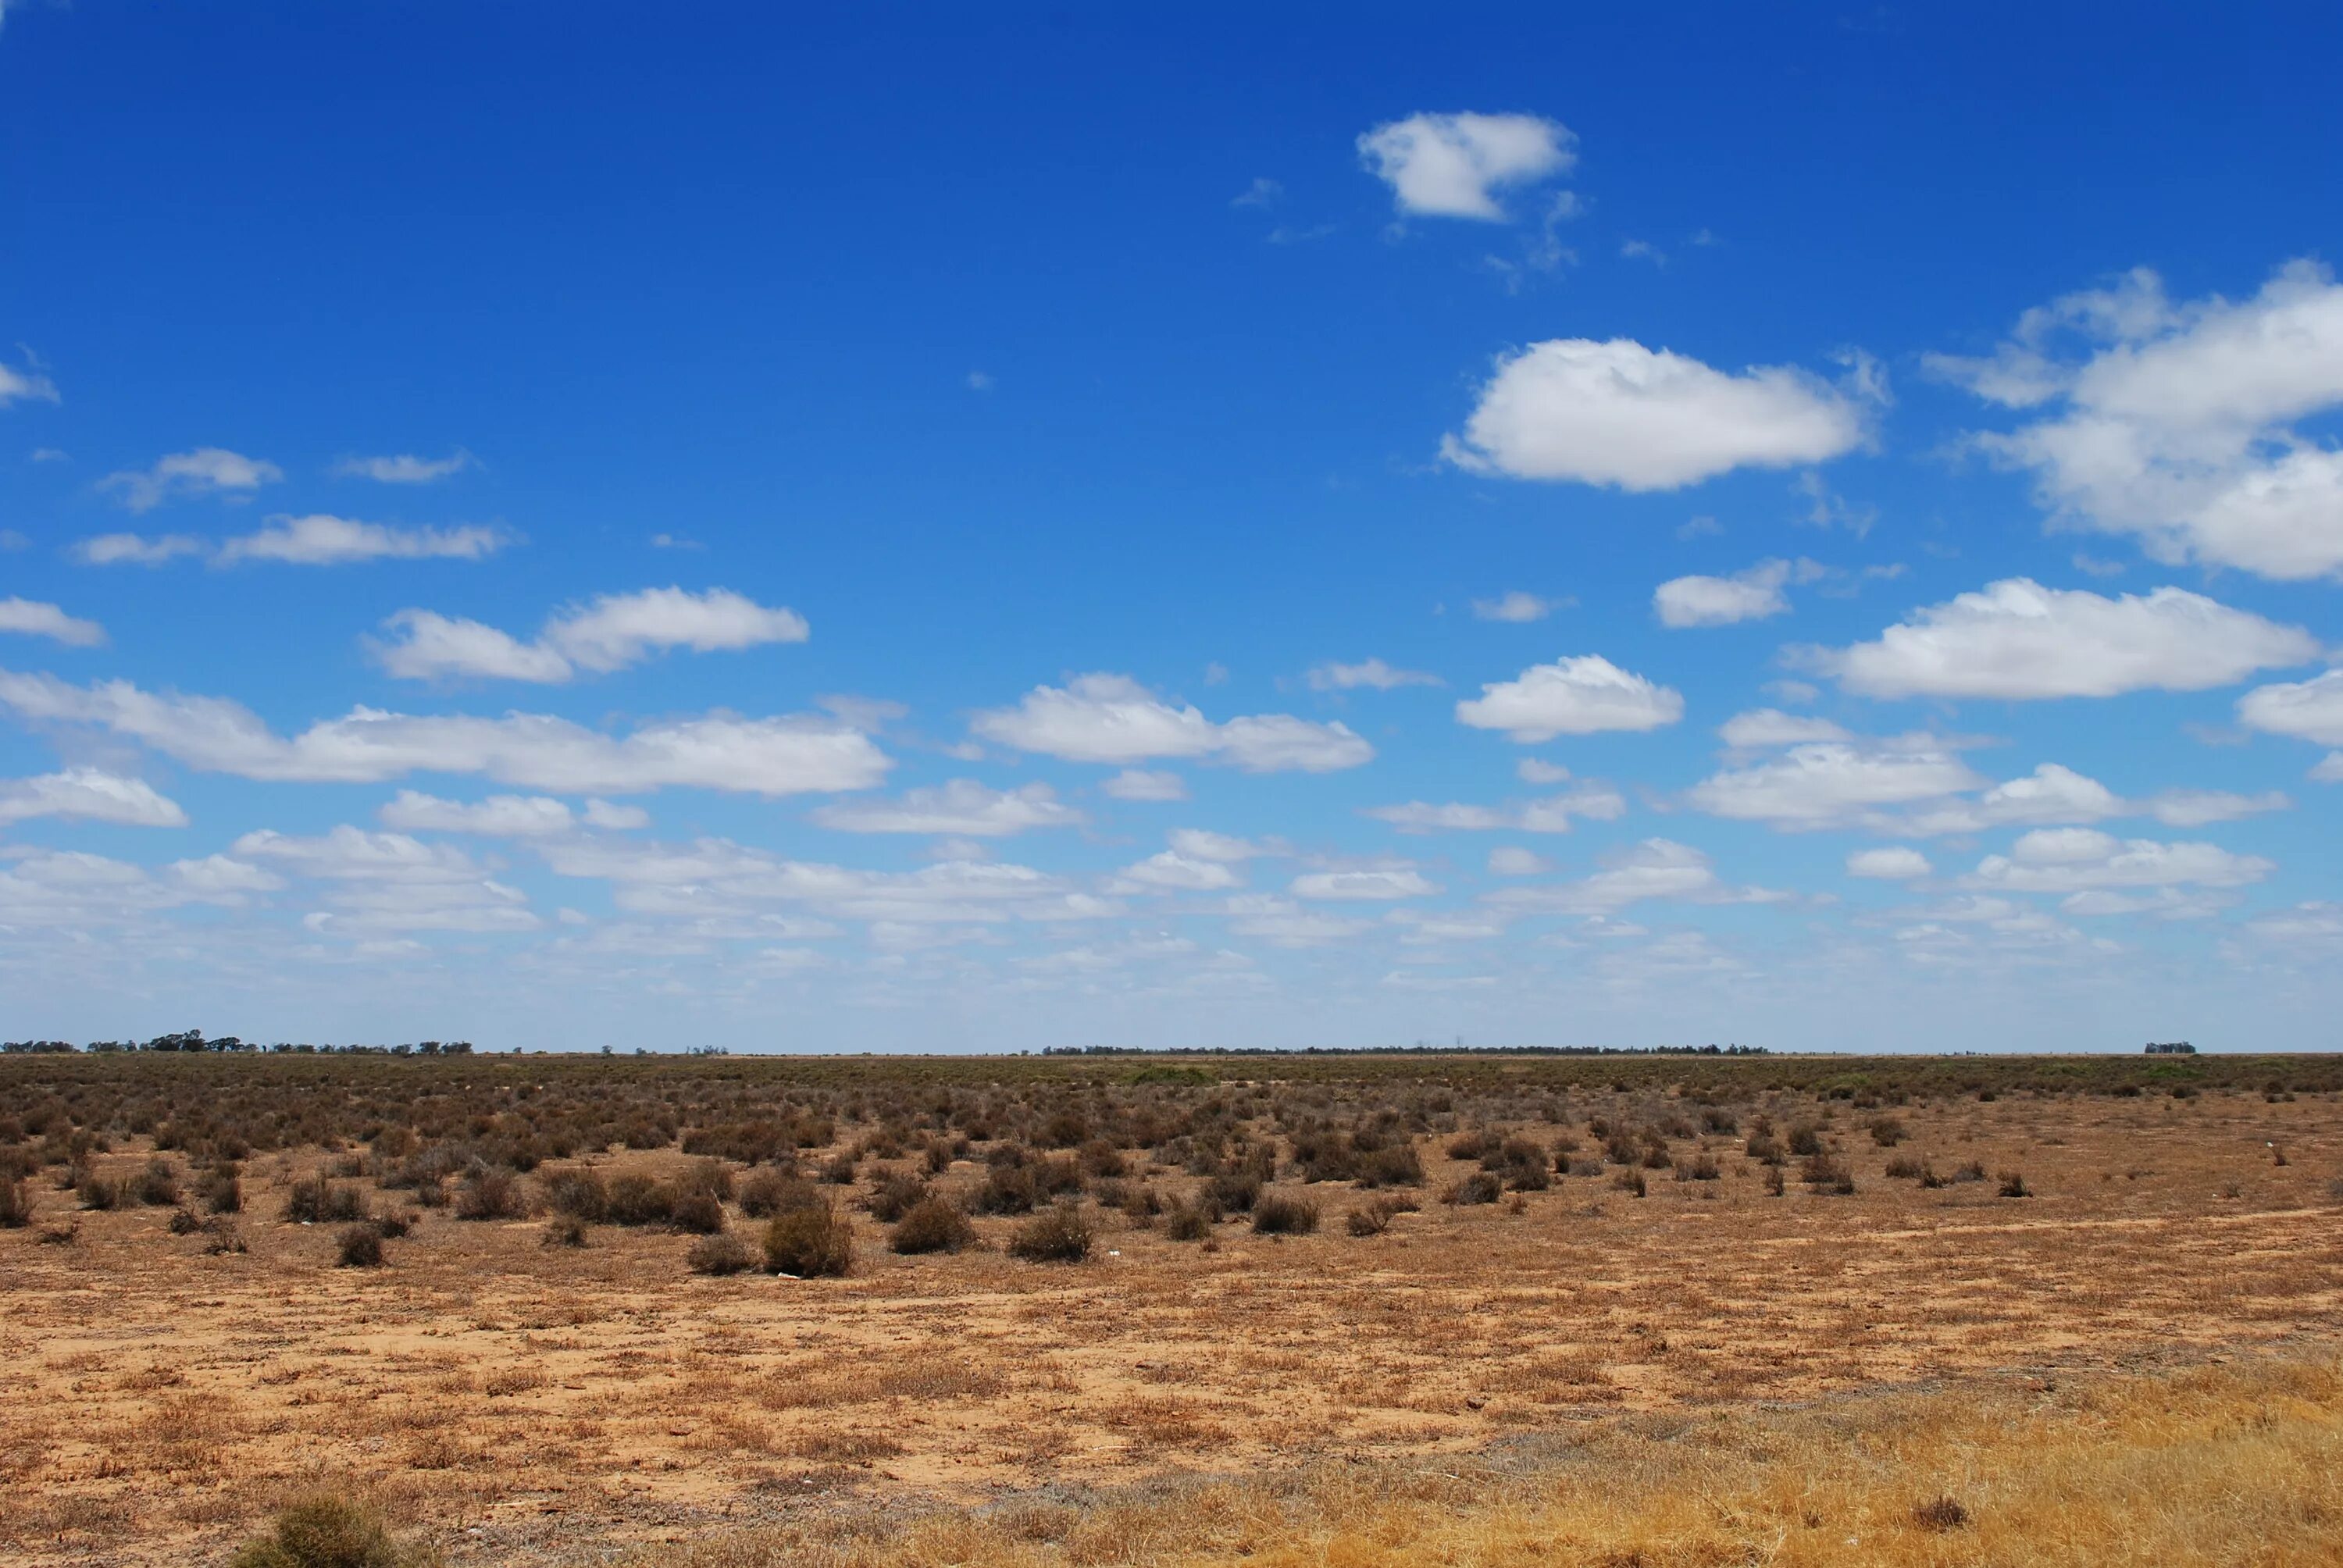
(1412, 1050)
(193, 1040)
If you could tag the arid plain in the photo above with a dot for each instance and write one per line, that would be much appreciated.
(1567, 1263)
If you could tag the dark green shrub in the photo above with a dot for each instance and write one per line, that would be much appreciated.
(359, 1247)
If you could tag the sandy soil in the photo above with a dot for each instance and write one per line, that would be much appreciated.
(529, 1403)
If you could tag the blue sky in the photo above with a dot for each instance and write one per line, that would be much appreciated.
(569, 526)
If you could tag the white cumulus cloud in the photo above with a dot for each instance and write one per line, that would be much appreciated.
(1398, 883)
(205, 471)
(89, 794)
(770, 757)
(322, 541)
(1576, 696)
(962, 808)
(609, 632)
(2308, 710)
(1372, 673)
(1452, 165)
(1893, 864)
(1112, 719)
(2177, 425)
(1143, 784)
(404, 468)
(2018, 641)
(1554, 814)
(1616, 413)
(34, 618)
(1752, 595)
(136, 550)
(1514, 606)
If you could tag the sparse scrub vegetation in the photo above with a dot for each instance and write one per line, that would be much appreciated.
(1058, 1234)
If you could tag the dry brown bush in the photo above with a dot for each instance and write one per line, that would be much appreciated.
(810, 1244)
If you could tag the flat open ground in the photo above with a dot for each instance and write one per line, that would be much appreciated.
(523, 1402)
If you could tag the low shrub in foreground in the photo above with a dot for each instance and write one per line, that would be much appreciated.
(1375, 1218)
(1187, 1221)
(16, 1206)
(721, 1253)
(1056, 1235)
(328, 1532)
(359, 1247)
(810, 1244)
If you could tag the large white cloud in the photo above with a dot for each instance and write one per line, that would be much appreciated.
(609, 632)
(205, 471)
(2017, 641)
(1575, 696)
(1452, 165)
(1617, 413)
(2177, 425)
(962, 808)
(1112, 719)
(90, 794)
(772, 757)
(34, 618)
